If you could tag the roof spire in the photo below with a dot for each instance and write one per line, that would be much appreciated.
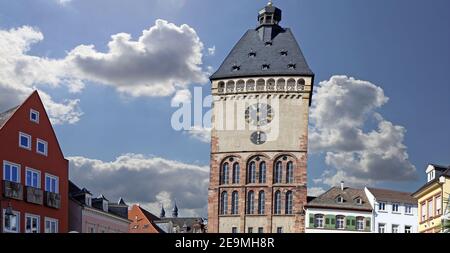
(163, 212)
(175, 210)
(269, 3)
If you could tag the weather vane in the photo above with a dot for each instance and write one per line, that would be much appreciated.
(269, 3)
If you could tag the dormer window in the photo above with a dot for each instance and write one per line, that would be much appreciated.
(283, 52)
(235, 68)
(340, 199)
(88, 200)
(105, 205)
(431, 175)
(292, 66)
(358, 201)
(268, 43)
(265, 66)
(252, 54)
(34, 116)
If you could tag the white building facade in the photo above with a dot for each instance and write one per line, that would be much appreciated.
(393, 212)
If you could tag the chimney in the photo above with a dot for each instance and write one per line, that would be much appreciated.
(342, 185)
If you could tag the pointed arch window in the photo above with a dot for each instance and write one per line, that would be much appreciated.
(236, 171)
(289, 202)
(251, 172)
(261, 202)
(278, 172)
(262, 172)
(235, 203)
(250, 202)
(224, 203)
(224, 174)
(277, 203)
(290, 173)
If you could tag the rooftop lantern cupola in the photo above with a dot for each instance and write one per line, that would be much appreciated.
(268, 22)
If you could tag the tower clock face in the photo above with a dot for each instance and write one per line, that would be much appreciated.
(259, 114)
(258, 137)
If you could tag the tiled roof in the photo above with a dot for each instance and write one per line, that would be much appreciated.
(282, 55)
(393, 196)
(329, 199)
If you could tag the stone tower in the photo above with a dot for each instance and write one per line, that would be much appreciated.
(261, 98)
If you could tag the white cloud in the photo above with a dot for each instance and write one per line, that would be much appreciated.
(163, 59)
(202, 134)
(21, 74)
(181, 97)
(63, 2)
(342, 108)
(147, 180)
(212, 51)
(315, 191)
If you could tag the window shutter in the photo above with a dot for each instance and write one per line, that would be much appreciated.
(333, 221)
(328, 221)
(348, 221)
(311, 220)
(367, 224)
(351, 224)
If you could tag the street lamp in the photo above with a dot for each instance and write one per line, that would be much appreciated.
(8, 213)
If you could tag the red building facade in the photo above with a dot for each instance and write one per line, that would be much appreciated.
(34, 171)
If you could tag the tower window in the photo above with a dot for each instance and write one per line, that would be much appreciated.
(261, 202)
(250, 202)
(283, 52)
(265, 66)
(268, 43)
(289, 203)
(223, 203)
(292, 66)
(235, 68)
(252, 54)
(277, 203)
(235, 203)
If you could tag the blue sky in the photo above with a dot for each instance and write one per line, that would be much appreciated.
(401, 46)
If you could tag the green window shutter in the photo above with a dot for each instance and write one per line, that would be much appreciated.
(311, 220)
(329, 222)
(352, 222)
(367, 224)
(333, 221)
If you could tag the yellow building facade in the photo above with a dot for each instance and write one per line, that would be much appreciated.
(432, 199)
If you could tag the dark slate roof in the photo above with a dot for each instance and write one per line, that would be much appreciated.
(393, 196)
(188, 223)
(4, 116)
(328, 199)
(283, 40)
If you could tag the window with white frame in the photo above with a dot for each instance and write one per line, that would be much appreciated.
(423, 212)
(32, 223)
(408, 229)
(11, 224)
(430, 209)
(359, 223)
(395, 207)
(381, 206)
(51, 225)
(431, 175)
(340, 199)
(395, 229)
(438, 205)
(11, 172)
(408, 209)
(33, 178)
(24, 140)
(41, 147)
(88, 199)
(34, 116)
(340, 221)
(51, 183)
(381, 228)
(318, 221)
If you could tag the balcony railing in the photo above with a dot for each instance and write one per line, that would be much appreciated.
(35, 195)
(52, 199)
(12, 190)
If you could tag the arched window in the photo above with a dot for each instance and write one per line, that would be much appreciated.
(290, 173)
(277, 203)
(224, 203)
(224, 174)
(260, 85)
(221, 87)
(289, 203)
(301, 84)
(271, 84)
(251, 85)
(262, 173)
(281, 83)
(235, 202)
(240, 86)
(291, 85)
(236, 171)
(251, 172)
(278, 172)
(261, 202)
(359, 223)
(250, 202)
(230, 86)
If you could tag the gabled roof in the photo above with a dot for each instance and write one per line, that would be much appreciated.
(271, 54)
(444, 173)
(328, 199)
(393, 196)
(5, 116)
